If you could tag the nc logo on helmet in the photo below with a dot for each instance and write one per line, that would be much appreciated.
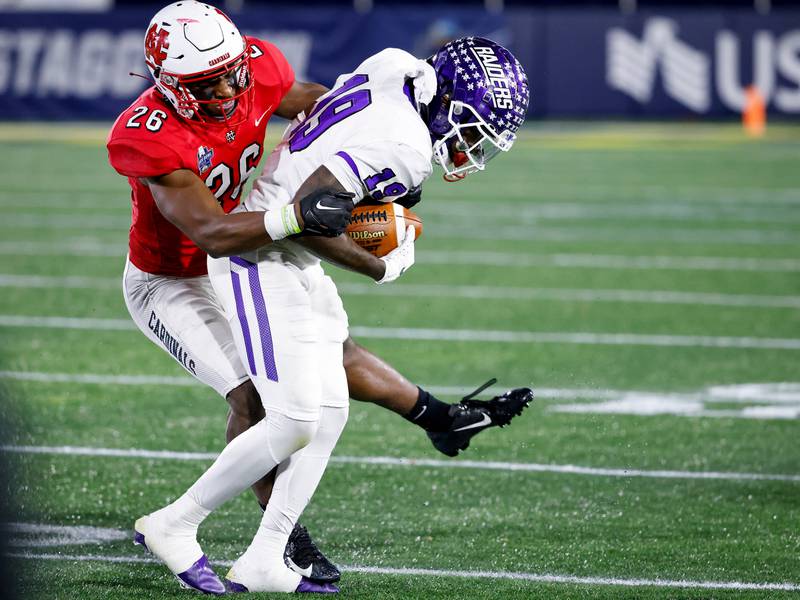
(156, 44)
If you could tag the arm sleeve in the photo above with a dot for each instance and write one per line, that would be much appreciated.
(142, 158)
(371, 171)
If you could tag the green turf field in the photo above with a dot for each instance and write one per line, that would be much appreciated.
(643, 279)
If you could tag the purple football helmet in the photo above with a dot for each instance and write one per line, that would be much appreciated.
(488, 92)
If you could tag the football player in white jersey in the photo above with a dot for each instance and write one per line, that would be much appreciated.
(374, 136)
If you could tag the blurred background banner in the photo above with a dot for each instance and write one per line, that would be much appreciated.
(669, 63)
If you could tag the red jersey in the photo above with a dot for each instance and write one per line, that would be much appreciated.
(149, 139)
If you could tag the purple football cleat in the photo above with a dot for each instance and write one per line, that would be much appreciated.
(201, 577)
(234, 588)
(138, 540)
(306, 586)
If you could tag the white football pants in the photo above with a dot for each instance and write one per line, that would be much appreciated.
(289, 326)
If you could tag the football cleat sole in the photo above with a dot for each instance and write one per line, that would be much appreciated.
(306, 586)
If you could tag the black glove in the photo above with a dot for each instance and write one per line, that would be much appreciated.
(326, 212)
(412, 198)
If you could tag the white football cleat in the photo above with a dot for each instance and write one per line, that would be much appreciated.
(178, 549)
(253, 576)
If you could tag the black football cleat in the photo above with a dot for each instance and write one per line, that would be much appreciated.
(470, 417)
(302, 556)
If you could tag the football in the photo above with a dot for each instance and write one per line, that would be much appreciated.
(379, 228)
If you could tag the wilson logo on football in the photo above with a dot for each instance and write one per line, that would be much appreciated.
(366, 235)
(156, 44)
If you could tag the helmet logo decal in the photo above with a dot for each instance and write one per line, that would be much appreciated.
(495, 76)
(156, 44)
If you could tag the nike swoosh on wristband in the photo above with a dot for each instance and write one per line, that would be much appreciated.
(487, 420)
(323, 207)
(422, 412)
(293, 566)
(258, 120)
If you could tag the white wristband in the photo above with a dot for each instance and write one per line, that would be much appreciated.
(281, 222)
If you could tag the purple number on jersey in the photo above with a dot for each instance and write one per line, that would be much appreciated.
(330, 110)
(393, 189)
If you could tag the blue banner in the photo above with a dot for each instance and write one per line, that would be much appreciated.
(664, 64)
(581, 63)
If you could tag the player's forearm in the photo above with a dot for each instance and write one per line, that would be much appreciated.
(345, 253)
(229, 235)
(233, 234)
(301, 98)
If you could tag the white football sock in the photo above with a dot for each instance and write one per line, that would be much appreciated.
(249, 456)
(295, 483)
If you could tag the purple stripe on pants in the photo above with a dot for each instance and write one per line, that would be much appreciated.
(237, 294)
(261, 316)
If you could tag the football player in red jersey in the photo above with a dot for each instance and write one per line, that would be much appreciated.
(188, 146)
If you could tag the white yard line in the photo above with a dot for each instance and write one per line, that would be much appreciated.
(98, 379)
(467, 291)
(467, 232)
(573, 295)
(70, 281)
(755, 237)
(778, 400)
(608, 261)
(67, 248)
(462, 335)
(746, 393)
(478, 258)
(67, 323)
(35, 535)
(579, 338)
(514, 576)
(455, 210)
(182, 381)
(390, 461)
(65, 221)
(469, 212)
(652, 193)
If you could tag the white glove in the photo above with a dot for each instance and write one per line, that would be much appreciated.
(399, 259)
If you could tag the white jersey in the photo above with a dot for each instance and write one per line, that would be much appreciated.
(366, 132)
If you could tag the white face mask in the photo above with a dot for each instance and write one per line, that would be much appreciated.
(477, 150)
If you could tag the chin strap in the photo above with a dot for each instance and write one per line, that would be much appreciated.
(453, 177)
